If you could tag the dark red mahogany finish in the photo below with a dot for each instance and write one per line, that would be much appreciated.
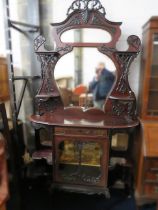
(120, 106)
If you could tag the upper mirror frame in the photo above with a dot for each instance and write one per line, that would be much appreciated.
(87, 19)
(121, 101)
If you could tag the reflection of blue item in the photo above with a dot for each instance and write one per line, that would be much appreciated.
(100, 88)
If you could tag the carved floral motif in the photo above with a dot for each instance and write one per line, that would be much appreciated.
(48, 104)
(86, 5)
(39, 41)
(122, 107)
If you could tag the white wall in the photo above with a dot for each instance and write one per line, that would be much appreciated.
(133, 14)
(2, 37)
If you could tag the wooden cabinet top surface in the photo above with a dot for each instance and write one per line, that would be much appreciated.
(77, 117)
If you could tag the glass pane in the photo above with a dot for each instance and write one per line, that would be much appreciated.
(80, 162)
(45, 138)
(120, 142)
(153, 88)
(88, 80)
(73, 35)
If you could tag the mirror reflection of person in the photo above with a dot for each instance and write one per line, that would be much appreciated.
(101, 85)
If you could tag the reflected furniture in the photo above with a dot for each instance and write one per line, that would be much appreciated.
(86, 100)
(65, 82)
(78, 90)
(66, 95)
(147, 176)
(81, 137)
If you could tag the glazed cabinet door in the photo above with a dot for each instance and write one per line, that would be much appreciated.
(81, 160)
(152, 102)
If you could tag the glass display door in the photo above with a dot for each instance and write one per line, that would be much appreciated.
(81, 161)
(153, 80)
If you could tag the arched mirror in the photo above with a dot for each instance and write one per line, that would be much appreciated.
(86, 35)
(85, 77)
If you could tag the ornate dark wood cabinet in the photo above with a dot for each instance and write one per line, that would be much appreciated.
(81, 137)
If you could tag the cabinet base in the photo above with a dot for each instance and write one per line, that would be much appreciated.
(89, 190)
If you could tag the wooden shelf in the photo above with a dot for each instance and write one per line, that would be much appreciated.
(77, 164)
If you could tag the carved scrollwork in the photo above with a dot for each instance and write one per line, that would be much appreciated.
(47, 59)
(106, 50)
(39, 41)
(123, 107)
(86, 5)
(48, 104)
(83, 17)
(134, 42)
(65, 49)
(118, 108)
(124, 60)
(81, 177)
